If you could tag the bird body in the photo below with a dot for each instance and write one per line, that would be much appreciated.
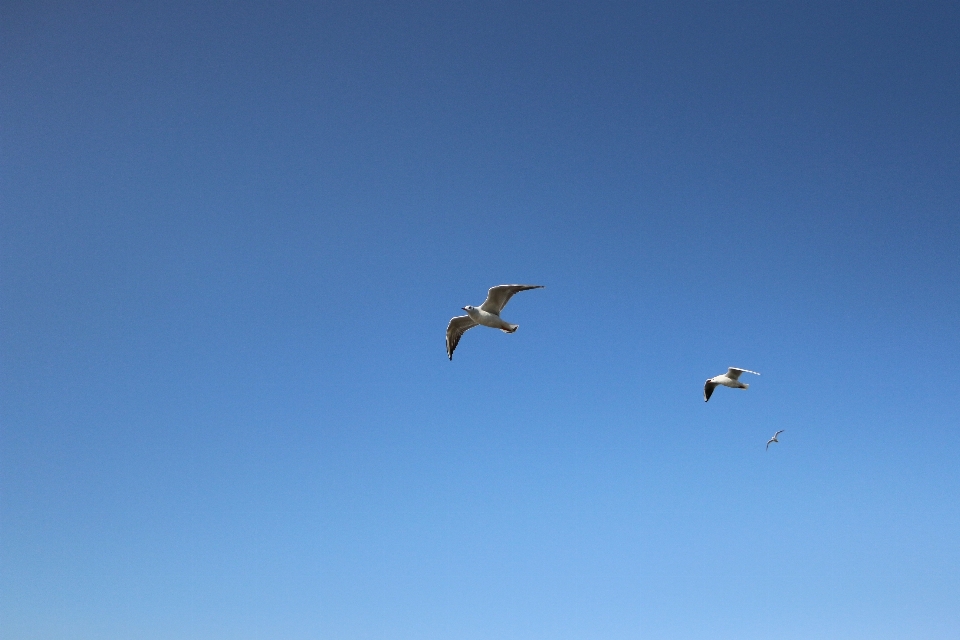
(774, 439)
(487, 314)
(729, 379)
(488, 319)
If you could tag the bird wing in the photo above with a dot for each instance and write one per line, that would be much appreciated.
(734, 373)
(778, 433)
(499, 296)
(768, 443)
(708, 390)
(457, 327)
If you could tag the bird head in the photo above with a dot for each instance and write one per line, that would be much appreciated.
(467, 308)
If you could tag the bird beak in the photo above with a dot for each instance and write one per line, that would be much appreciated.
(464, 308)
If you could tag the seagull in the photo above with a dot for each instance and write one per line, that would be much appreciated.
(487, 314)
(774, 438)
(729, 379)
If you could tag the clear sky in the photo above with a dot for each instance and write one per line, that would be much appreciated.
(232, 235)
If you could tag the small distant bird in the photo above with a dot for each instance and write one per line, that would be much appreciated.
(729, 379)
(774, 439)
(487, 314)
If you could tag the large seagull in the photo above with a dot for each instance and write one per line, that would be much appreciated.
(487, 314)
(729, 379)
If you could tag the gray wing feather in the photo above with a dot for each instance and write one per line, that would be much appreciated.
(734, 373)
(499, 296)
(458, 326)
(708, 390)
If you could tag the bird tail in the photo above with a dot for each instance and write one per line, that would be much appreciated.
(510, 328)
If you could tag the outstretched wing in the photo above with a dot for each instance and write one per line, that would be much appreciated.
(457, 327)
(778, 433)
(734, 373)
(499, 296)
(708, 390)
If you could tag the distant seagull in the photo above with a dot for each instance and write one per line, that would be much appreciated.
(487, 314)
(729, 379)
(774, 438)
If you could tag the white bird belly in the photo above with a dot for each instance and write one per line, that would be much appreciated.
(727, 382)
(487, 319)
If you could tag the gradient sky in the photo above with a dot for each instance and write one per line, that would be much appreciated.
(232, 235)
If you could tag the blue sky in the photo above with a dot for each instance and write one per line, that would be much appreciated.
(231, 237)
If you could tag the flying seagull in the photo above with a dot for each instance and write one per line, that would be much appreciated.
(774, 438)
(729, 379)
(487, 314)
